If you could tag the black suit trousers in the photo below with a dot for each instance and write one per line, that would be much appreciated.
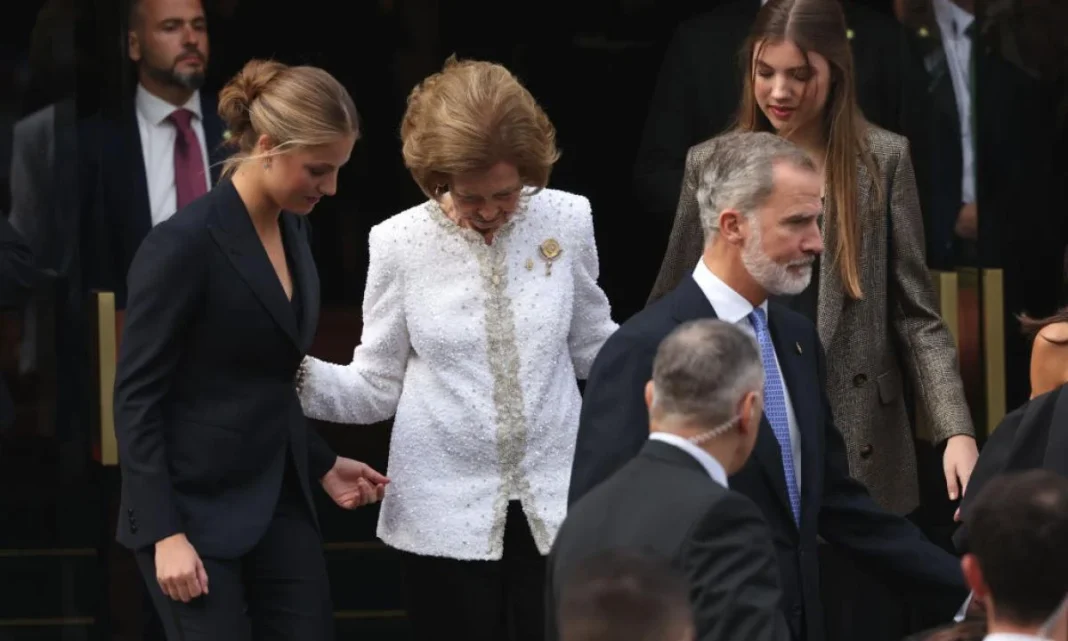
(277, 592)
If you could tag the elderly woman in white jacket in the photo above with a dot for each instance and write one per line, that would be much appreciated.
(481, 310)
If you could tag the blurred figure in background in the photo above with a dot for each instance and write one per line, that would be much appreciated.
(624, 596)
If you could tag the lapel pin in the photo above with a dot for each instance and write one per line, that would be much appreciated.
(798, 345)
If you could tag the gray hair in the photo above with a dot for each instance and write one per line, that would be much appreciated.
(702, 371)
(738, 173)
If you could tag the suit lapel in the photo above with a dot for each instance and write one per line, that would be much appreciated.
(799, 375)
(234, 233)
(307, 278)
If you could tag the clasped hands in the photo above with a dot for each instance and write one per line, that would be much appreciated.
(179, 570)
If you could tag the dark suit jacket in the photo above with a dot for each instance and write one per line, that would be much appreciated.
(1034, 436)
(664, 502)
(700, 82)
(206, 410)
(115, 196)
(17, 277)
(833, 505)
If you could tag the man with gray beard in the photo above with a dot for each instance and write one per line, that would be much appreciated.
(163, 149)
(759, 199)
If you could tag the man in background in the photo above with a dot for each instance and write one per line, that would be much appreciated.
(162, 150)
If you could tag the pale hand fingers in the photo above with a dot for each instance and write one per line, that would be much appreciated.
(202, 577)
(367, 492)
(951, 482)
(185, 585)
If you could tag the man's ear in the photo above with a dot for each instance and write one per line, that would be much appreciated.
(133, 45)
(731, 222)
(649, 396)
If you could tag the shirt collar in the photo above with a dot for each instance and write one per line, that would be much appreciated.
(730, 306)
(155, 109)
(951, 18)
(1007, 636)
(707, 461)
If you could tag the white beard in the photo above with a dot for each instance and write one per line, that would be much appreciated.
(776, 278)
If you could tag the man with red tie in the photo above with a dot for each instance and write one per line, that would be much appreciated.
(164, 152)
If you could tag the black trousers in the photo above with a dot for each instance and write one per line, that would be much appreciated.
(480, 600)
(278, 591)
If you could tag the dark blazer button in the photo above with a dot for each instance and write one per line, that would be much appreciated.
(859, 380)
(865, 451)
(129, 511)
(133, 528)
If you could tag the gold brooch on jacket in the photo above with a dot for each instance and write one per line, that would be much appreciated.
(550, 250)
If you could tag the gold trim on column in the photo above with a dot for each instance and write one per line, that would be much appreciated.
(106, 362)
(993, 297)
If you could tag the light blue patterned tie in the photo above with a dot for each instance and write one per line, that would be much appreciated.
(775, 407)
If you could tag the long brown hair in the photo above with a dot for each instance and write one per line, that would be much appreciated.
(819, 26)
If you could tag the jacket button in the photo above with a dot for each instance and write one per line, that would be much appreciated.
(859, 380)
(865, 451)
(129, 512)
(133, 528)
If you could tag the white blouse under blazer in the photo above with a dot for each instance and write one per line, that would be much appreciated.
(474, 349)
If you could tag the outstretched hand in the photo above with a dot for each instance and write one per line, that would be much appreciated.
(353, 484)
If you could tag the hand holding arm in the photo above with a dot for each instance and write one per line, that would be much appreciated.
(353, 484)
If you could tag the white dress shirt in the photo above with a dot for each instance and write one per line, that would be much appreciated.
(707, 461)
(158, 136)
(952, 22)
(1007, 636)
(732, 307)
(474, 350)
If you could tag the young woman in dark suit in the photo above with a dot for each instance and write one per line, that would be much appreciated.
(217, 459)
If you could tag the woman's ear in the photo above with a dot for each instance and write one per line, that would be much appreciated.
(264, 144)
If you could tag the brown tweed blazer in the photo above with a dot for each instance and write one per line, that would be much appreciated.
(868, 342)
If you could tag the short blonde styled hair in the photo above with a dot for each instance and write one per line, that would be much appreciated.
(470, 116)
(293, 106)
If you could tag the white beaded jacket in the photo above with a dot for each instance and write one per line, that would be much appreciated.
(474, 349)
